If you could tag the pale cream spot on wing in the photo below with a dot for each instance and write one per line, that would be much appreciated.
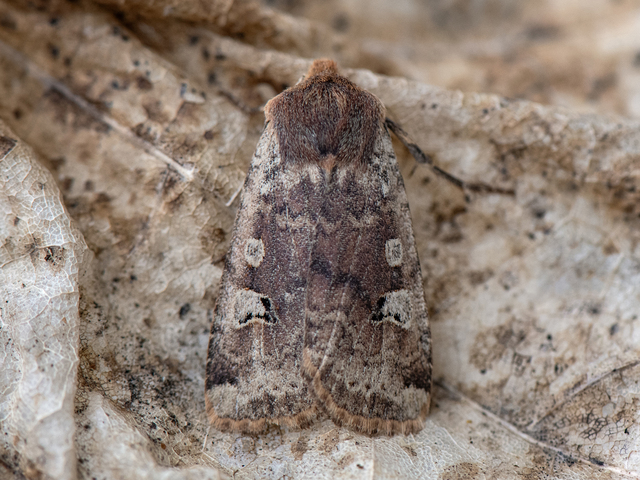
(393, 252)
(254, 251)
(252, 307)
(395, 308)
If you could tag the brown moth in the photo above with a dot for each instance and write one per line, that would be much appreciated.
(321, 307)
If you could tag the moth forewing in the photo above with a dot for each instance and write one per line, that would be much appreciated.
(322, 306)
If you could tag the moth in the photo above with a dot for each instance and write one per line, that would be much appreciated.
(321, 308)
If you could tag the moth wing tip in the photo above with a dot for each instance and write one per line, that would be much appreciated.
(367, 425)
(226, 424)
(301, 420)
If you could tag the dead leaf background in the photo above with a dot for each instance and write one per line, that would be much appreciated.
(129, 125)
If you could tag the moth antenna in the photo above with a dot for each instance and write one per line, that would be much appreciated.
(423, 158)
(239, 103)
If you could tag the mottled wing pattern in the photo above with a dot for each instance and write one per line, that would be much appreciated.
(322, 301)
(367, 343)
(254, 366)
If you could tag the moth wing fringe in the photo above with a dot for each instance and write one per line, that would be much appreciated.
(368, 426)
(303, 419)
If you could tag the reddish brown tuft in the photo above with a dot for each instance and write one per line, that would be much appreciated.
(326, 115)
(322, 66)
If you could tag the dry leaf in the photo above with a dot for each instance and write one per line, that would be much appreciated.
(40, 257)
(147, 128)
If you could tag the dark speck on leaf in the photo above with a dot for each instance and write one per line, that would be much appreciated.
(184, 309)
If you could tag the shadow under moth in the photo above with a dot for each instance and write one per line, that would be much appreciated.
(321, 307)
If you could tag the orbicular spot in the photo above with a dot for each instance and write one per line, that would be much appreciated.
(254, 251)
(393, 252)
(251, 307)
(393, 307)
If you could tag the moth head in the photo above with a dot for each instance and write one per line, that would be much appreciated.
(325, 120)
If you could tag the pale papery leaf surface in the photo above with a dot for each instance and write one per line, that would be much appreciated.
(132, 136)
